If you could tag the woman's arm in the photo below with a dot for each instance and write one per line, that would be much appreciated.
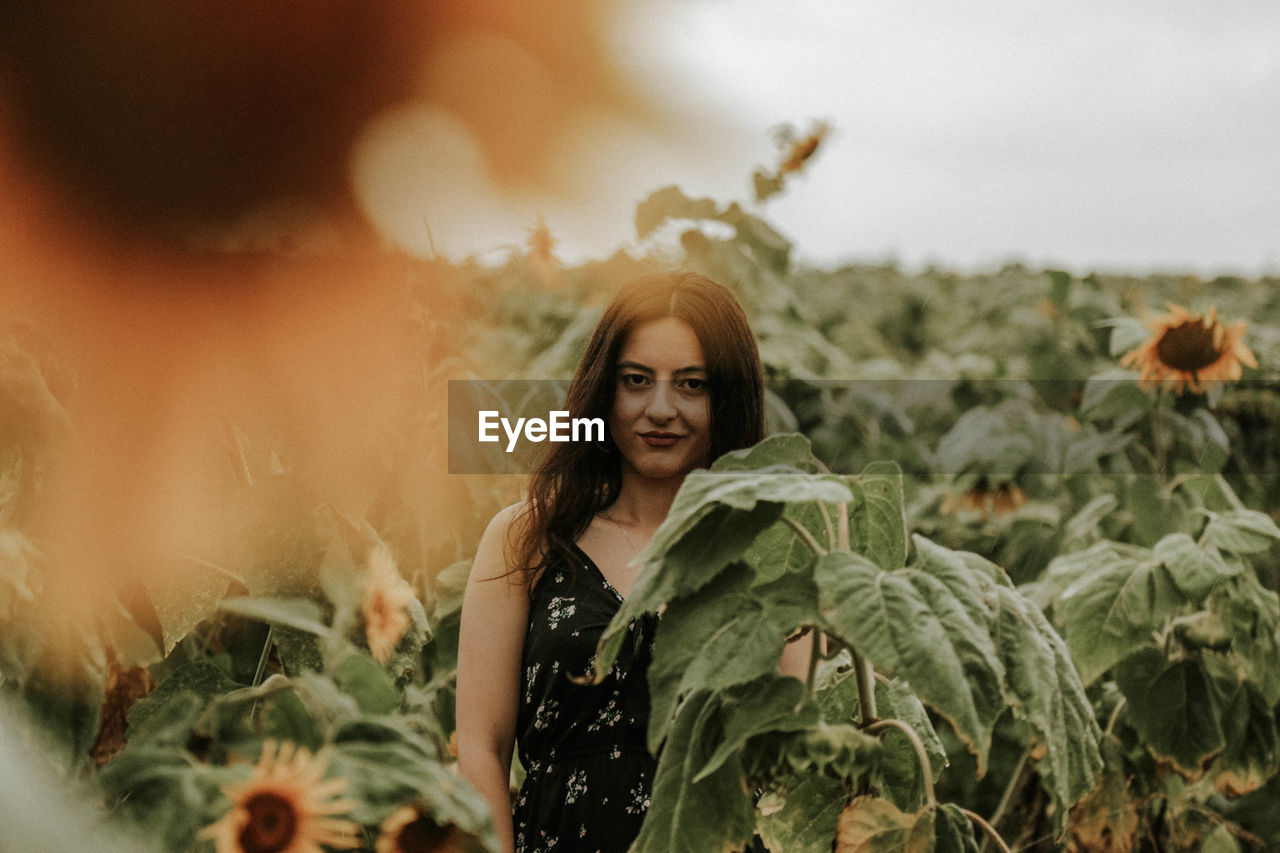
(495, 616)
(797, 653)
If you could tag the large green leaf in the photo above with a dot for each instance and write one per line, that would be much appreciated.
(1194, 570)
(713, 521)
(1177, 706)
(1251, 755)
(877, 524)
(298, 613)
(1111, 607)
(771, 703)
(1250, 616)
(791, 449)
(953, 831)
(808, 817)
(1041, 685)
(714, 814)
(730, 632)
(199, 678)
(910, 625)
(1241, 531)
(1045, 691)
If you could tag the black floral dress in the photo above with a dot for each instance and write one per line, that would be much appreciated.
(583, 746)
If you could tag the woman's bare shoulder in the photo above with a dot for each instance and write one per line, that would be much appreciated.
(500, 545)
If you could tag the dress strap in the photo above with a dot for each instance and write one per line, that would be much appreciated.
(594, 569)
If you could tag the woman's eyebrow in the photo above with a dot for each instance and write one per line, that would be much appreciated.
(635, 365)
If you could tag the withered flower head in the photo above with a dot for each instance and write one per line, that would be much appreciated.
(386, 601)
(1190, 351)
(540, 241)
(800, 150)
(1006, 499)
(408, 830)
(286, 806)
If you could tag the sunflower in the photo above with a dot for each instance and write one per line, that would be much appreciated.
(1190, 351)
(386, 601)
(285, 807)
(408, 830)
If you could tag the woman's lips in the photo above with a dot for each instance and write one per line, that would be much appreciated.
(659, 439)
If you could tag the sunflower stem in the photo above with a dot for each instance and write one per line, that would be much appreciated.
(804, 534)
(926, 766)
(1157, 434)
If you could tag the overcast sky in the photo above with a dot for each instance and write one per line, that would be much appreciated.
(1138, 136)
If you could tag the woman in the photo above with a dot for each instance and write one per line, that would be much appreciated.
(673, 369)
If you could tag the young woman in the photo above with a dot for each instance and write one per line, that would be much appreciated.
(673, 369)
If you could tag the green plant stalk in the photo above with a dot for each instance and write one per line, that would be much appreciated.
(804, 534)
(865, 673)
(1007, 798)
(262, 667)
(826, 521)
(988, 829)
(930, 797)
(1157, 434)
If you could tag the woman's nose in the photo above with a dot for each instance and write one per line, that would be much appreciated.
(661, 406)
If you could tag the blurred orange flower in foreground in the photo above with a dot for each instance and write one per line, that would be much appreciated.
(285, 807)
(1190, 351)
(386, 597)
(408, 830)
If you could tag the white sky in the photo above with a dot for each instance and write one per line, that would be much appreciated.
(1133, 135)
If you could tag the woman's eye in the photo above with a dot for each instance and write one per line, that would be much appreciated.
(634, 380)
(693, 384)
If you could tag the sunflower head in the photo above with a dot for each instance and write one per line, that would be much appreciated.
(286, 806)
(409, 830)
(1190, 352)
(386, 600)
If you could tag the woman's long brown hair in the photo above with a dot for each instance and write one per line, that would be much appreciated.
(579, 479)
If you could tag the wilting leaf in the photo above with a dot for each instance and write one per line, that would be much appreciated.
(1106, 819)
(1177, 706)
(768, 704)
(670, 203)
(1251, 755)
(873, 825)
(714, 814)
(1250, 615)
(1041, 685)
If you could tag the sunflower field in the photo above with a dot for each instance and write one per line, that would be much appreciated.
(1026, 519)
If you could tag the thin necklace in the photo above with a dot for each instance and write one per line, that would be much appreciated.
(635, 552)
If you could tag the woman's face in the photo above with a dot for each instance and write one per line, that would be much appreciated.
(661, 414)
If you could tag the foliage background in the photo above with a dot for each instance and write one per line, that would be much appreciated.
(998, 395)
